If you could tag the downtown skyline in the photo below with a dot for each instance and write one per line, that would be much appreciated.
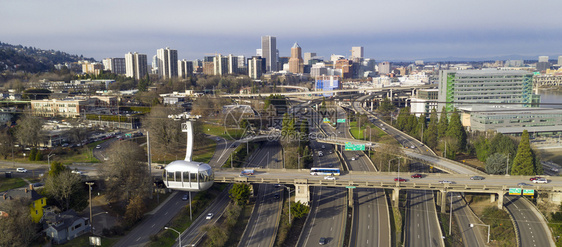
(399, 31)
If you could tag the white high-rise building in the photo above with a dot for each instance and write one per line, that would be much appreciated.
(185, 68)
(232, 64)
(559, 60)
(167, 63)
(269, 52)
(136, 65)
(116, 65)
(543, 59)
(357, 52)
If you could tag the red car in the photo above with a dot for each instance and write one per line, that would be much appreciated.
(400, 180)
(417, 175)
(534, 178)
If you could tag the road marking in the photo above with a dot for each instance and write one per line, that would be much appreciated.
(153, 225)
(166, 213)
(138, 239)
(331, 228)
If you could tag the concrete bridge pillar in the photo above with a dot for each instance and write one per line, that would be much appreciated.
(372, 103)
(500, 199)
(302, 193)
(492, 197)
(396, 197)
(350, 197)
(443, 201)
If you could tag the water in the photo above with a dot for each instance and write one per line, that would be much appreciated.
(551, 99)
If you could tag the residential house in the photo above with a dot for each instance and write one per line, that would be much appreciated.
(38, 202)
(65, 226)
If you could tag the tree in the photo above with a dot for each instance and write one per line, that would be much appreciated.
(165, 134)
(496, 164)
(501, 143)
(63, 186)
(443, 124)
(32, 154)
(240, 193)
(126, 174)
(523, 164)
(482, 146)
(28, 130)
(38, 156)
(299, 210)
(431, 132)
(6, 143)
(56, 168)
(456, 131)
(135, 210)
(17, 227)
(420, 128)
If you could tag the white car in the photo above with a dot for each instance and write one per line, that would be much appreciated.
(21, 169)
(209, 216)
(330, 178)
(445, 182)
(98, 147)
(540, 181)
(77, 172)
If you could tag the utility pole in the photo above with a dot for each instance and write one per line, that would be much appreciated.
(90, 193)
(451, 214)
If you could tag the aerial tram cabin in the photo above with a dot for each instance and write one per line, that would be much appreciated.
(188, 175)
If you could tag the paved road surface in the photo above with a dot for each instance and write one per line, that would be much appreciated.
(464, 217)
(421, 227)
(530, 225)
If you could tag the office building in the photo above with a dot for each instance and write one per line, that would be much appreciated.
(136, 65)
(255, 67)
(115, 65)
(269, 52)
(327, 83)
(559, 60)
(469, 87)
(346, 66)
(543, 59)
(154, 68)
(308, 56)
(356, 52)
(424, 102)
(296, 64)
(167, 60)
(92, 68)
(232, 64)
(384, 68)
(185, 68)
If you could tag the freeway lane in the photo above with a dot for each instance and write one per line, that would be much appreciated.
(329, 205)
(262, 226)
(421, 227)
(464, 217)
(529, 224)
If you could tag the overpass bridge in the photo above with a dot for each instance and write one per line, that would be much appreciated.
(334, 92)
(495, 185)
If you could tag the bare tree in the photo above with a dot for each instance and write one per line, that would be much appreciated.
(62, 186)
(28, 130)
(6, 143)
(17, 227)
(77, 134)
(165, 133)
(126, 174)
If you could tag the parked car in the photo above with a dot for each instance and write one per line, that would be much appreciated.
(330, 178)
(417, 175)
(445, 182)
(209, 216)
(540, 181)
(477, 178)
(400, 180)
(21, 169)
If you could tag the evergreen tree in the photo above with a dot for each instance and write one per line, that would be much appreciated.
(412, 125)
(496, 164)
(402, 120)
(443, 124)
(523, 164)
(456, 130)
(482, 146)
(431, 132)
(503, 144)
(421, 127)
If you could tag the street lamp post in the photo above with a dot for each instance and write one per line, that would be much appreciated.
(392, 160)
(179, 234)
(369, 140)
(49, 159)
(90, 194)
(472, 225)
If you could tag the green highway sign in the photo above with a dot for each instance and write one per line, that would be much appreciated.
(515, 191)
(354, 147)
(341, 120)
(527, 192)
(350, 187)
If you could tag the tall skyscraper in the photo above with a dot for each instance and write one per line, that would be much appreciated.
(269, 52)
(136, 65)
(384, 68)
(296, 64)
(220, 65)
(232, 64)
(167, 63)
(115, 64)
(307, 56)
(255, 67)
(185, 68)
(559, 60)
(356, 52)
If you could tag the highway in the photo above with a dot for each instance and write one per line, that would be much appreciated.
(371, 221)
(529, 224)
(262, 226)
(329, 206)
(421, 225)
(464, 216)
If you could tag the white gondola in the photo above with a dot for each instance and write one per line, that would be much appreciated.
(188, 175)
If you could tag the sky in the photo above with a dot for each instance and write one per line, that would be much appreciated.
(399, 30)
